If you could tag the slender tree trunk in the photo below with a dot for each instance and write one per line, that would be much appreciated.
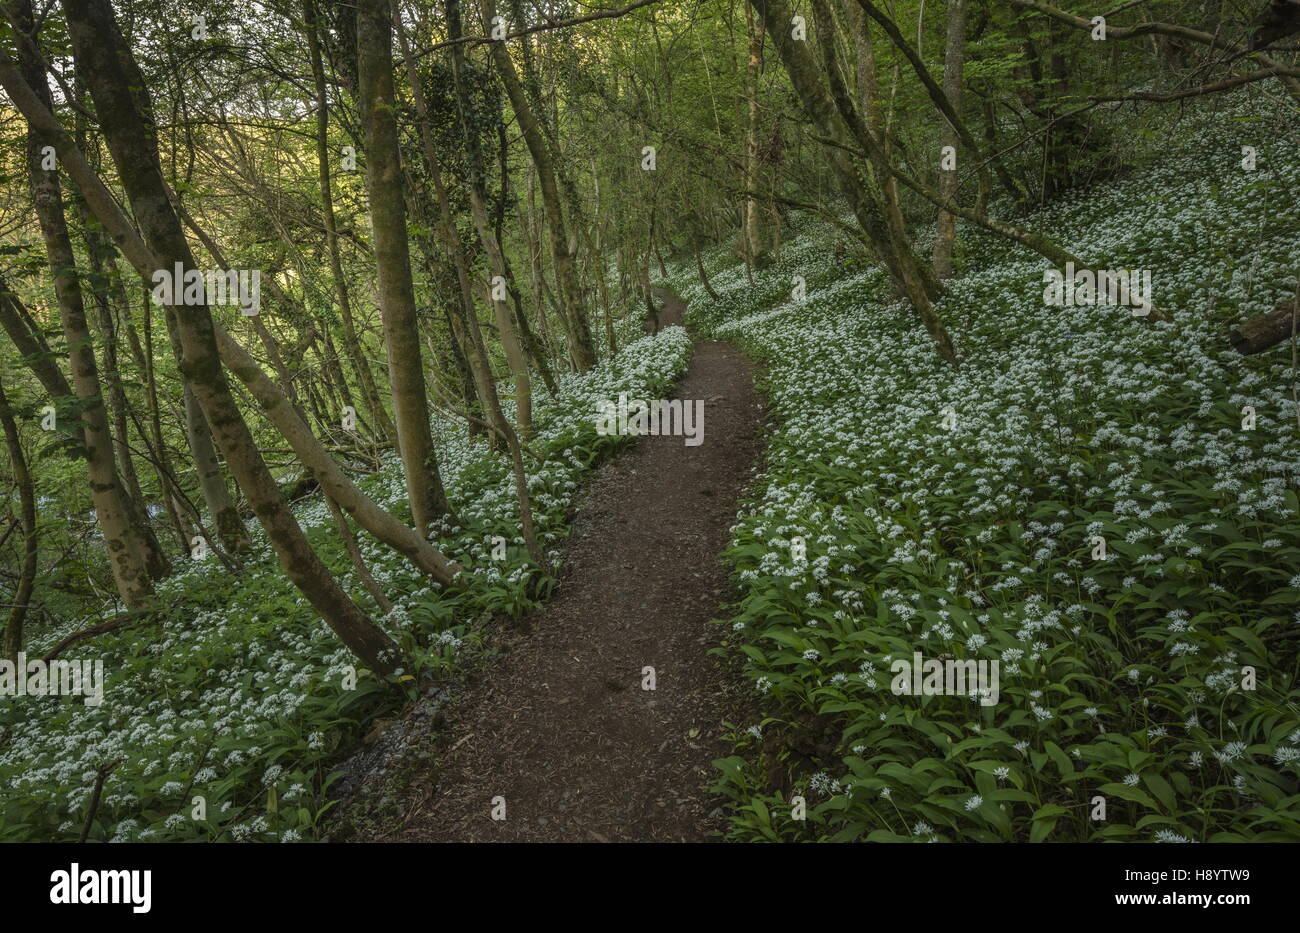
(600, 264)
(566, 274)
(652, 309)
(128, 549)
(1009, 184)
(96, 251)
(105, 289)
(351, 341)
(830, 111)
(954, 58)
(354, 554)
(13, 635)
(498, 294)
(392, 256)
(162, 464)
(894, 242)
(230, 529)
(532, 233)
(533, 349)
(336, 381)
(468, 390)
(121, 301)
(601, 268)
(754, 243)
(699, 266)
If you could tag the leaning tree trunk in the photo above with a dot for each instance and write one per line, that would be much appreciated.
(828, 114)
(496, 260)
(129, 552)
(121, 100)
(581, 347)
(358, 561)
(699, 267)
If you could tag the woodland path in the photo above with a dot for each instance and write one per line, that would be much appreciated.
(559, 724)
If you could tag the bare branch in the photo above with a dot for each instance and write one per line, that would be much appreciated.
(1225, 85)
(546, 26)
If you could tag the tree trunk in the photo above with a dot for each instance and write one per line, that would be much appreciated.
(351, 341)
(358, 562)
(601, 272)
(129, 550)
(121, 100)
(478, 213)
(533, 238)
(161, 462)
(829, 115)
(1264, 331)
(230, 529)
(392, 256)
(459, 355)
(699, 266)
(105, 291)
(13, 635)
(954, 59)
(566, 274)
(754, 244)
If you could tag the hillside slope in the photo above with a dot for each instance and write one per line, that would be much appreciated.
(954, 513)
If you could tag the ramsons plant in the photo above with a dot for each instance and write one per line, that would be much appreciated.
(956, 512)
(237, 695)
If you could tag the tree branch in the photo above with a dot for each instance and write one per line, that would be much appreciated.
(547, 26)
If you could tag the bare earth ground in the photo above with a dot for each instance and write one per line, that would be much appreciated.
(558, 724)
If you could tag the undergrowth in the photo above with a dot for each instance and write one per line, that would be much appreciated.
(908, 506)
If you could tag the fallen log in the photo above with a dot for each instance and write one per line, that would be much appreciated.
(1260, 333)
(108, 625)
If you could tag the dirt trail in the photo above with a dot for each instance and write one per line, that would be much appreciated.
(559, 725)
